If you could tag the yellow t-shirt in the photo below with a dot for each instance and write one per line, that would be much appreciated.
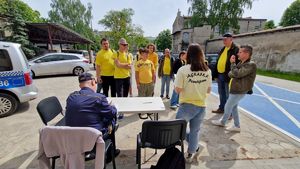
(105, 61)
(144, 70)
(167, 66)
(154, 58)
(124, 57)
(194, 85)
(222, 61)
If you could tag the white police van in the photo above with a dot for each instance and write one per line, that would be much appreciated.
(15, 78)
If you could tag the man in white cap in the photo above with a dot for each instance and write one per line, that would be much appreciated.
(123, 65)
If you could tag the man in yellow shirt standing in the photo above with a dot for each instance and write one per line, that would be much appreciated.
(165, 72)
(152, 56)
(105, 69)
(222, 69)
(122, 60)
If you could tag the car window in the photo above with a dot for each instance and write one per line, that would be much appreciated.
(69, 57)
(5, 62)
(51, 58)
(24, 57)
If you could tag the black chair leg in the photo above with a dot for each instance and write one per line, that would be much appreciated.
(53, 163)
(113, 157)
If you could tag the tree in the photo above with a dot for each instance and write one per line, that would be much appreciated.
(25, 11)
(291, 15)
(15, 10)
(269, 25)
(74, 15)
(164, 40)
(221, 13)
(118, 24)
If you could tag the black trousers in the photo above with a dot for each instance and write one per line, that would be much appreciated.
(122, 87)
(108, 81)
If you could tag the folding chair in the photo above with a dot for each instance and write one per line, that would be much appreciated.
(160, 135)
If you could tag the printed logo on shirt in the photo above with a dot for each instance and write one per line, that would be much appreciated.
(197, 77)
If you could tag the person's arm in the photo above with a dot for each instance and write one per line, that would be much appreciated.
(178, 90)
(137, 80)
(243, 71)
(179, 82)
(98, 69)
(122, 65)
(105, 109)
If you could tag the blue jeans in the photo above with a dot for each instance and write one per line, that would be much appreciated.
(174, 99)
(223, 90)
(194, 115)
(231, 107)
(165, 81)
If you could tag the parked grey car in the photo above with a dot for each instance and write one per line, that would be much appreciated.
(59, 63)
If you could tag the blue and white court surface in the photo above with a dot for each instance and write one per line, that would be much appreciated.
(275, 106)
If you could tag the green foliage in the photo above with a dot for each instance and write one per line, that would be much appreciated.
(164, 40)
(291, 16)
(119, 25)
(222, 13)
(269, 25)
(281, 75)
(25, 11)
(16, 24)
(74, 15)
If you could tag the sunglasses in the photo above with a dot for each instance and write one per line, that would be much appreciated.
(124, 44)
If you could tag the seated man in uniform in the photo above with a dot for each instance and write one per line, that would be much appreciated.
(86, 108)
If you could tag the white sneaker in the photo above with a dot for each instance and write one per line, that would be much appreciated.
(217, 123)
(189, 157)
(234, 129)
(173, 107)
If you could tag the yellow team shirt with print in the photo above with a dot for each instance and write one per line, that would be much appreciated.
(194, 85)
(144, 70)
(105, 61)
(124, 57)
(167, 66)
(222, 61)
(154, 58)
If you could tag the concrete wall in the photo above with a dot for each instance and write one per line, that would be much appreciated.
(277, 49)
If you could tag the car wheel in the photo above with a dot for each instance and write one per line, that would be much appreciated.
(32, 74)
(78, 70)
(8, 105)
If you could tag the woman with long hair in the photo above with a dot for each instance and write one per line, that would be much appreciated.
(192, 83)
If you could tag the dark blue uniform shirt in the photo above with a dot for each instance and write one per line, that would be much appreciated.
(85, 108)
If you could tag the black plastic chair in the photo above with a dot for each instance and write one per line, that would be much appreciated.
(49, 108)
(160, 135)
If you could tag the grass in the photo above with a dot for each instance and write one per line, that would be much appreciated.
(281, 75)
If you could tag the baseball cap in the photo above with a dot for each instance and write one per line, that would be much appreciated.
(227, 35)
(123, 41)
(85, 77)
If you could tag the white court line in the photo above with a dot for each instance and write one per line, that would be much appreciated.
(270, 124)
(265, 121)
(292, 118)
(26, 163)
(279, 87)
(275, 98)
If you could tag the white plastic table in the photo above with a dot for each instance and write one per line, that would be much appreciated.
(138, 105)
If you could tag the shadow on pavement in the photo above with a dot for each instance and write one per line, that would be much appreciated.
(18, 161)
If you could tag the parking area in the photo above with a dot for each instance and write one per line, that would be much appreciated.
(275, 106)
(256, 143)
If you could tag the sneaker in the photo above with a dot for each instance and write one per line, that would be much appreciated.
(233, 129)
(167, 97)
(161, 96)
(217, 123)
(121, 116)
(173, 107)
(219, 111)
(190, 156)
(177, 105)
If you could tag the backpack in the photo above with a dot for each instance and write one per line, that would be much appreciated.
(172, 158)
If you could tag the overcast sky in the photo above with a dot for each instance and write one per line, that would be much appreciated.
(157, 15)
